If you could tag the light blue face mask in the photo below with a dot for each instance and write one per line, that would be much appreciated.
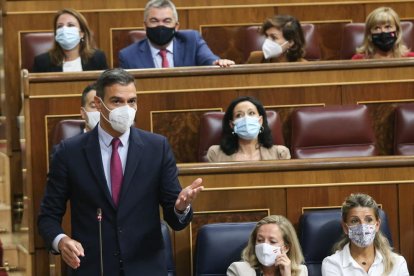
(247, 127)
(67, 37)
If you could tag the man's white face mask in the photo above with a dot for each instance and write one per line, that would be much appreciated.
(120, 118)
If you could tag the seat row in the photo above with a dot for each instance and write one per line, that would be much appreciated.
(323, 132)
(220, 244)
(35, 43)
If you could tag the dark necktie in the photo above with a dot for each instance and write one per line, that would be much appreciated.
(164, 60)
(116, 171)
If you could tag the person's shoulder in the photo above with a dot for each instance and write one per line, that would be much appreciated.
(255, 57)
(187, 35)
(147, 136)
(240, 268)
(134, 46)
(303, 270)
(276, 152)
(410, 54)
(98, 53)
(213, 153)
(358, 56)
(45, 55)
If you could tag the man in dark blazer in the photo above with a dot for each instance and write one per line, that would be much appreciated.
(181, 48)
(81, 171)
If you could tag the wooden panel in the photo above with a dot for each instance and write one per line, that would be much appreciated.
(305, 183)
(406, 220)
(171, 100)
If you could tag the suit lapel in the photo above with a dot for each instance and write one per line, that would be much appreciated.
(146, 55)
(133, 159)
(94, 158)
(179, 50)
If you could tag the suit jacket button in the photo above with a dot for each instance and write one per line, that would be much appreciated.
(116, 254)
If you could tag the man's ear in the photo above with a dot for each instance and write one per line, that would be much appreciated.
(98, 103)
(83, 113)
(177, 26)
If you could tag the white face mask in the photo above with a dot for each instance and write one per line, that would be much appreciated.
(67, 37)
(93, 118)
(266, 253)
(362, 235)
(120, 118)
(272, 49)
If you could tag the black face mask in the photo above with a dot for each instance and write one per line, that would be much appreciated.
(384, 41)
(160, 35)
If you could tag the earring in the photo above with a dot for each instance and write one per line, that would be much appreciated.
(261, 129)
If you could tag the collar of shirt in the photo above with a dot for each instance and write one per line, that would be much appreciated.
(347, 259)
(157, 58)
(106, 138)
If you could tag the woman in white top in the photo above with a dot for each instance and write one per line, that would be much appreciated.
(363, 250)
(273, 249)
(73, 49)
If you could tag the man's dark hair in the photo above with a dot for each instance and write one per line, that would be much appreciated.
(85, 92)
(110, 77)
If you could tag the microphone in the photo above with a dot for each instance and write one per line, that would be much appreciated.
(99, 218)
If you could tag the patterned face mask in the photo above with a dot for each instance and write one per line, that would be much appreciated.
(362, 235)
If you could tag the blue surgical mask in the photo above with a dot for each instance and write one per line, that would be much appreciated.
(247, 127)
(67, 37)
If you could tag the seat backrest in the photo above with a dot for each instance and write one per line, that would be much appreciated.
(168, 249)
(353, 37)
(33, 44)
(136, 35)
(66, 129)
(254, 41)
(211, 128)
(403, 129)
(218, 245)
(320, 230)
(333, 131)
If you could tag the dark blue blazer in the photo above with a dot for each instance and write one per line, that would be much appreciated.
(131, 233)
(190, 49)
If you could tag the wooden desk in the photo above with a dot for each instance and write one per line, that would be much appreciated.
(171, 101)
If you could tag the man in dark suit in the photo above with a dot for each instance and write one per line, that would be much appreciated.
(165, 46)
(124, 172)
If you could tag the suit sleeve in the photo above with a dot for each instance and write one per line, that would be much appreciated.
(100, 60)
(123, 62)
(204, 55)
(170, 188)
(38, 65)
(53, 205)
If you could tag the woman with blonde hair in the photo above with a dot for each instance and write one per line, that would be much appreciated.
(363, 250)
(273, 249)
(383, 36)
(74, 48)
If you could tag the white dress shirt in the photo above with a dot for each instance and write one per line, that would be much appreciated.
(156, 57)
(342, 263)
